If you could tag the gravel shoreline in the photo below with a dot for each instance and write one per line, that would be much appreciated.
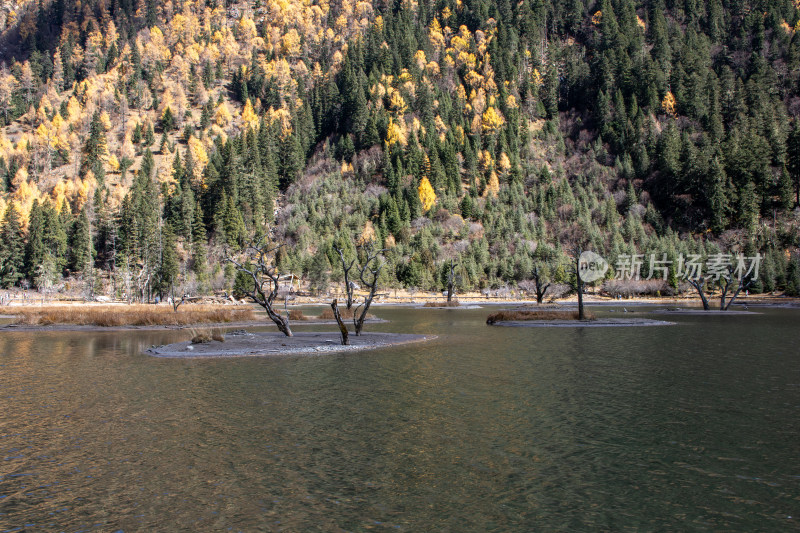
(596, 323)
(274, 344)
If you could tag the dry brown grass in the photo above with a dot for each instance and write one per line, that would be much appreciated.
(453, 303)
(523, 315)
(297, 314)
(131, 315)
(202, 336)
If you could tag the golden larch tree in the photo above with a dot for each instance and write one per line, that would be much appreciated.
(427, 196)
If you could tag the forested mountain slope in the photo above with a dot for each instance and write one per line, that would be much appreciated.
(142, 140)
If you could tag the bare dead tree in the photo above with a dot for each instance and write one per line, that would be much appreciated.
(266, 280)
(180, 288)
(577, 284)
(451, 279)
(540, 284)
(342, 327)
(369, 274)
(348, 285)
(699, 286)
(726, 283)
(175, 303)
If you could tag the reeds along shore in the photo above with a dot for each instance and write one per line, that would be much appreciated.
(515, 316)
(452, 303)
(131, 315)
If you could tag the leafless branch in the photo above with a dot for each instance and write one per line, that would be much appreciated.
(266, 280)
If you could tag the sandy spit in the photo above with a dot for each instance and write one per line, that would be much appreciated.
(597, 323)
(274, 344)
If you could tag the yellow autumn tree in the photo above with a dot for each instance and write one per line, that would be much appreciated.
(537, 78)
(249, 117)
(73, 109)
(668, 104)
(222, 116)
(427, 196)
(395, 133)
(397, 104)
(491, 120)
(368, 234)
(199, 156)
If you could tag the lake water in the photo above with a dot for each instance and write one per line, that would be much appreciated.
(689, 427)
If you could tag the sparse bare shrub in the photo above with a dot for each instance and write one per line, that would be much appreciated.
(630, 288)
(529, 315)
(297, 314)
(637, 210)
(558, 290)
(453, 224)
(420, 222)
(451, 303)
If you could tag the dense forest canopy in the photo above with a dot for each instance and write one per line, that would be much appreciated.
(143, 140)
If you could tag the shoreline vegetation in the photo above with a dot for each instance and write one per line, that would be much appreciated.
(445, 304)
(120, 315)
(28, 314)
(14, 298)
(111, 315)
(548, 314)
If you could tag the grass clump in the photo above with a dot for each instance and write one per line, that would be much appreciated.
(452, 303)
(297, 314)
(527, 315)
(203, 336)
(131, 315)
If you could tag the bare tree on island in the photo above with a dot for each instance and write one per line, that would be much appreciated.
(577, 285)
(727, 283)
(540, 283)
(265, 279)
(742, 283)
(699, 285)
(576, 267)
(348, 285)
(369, 274)
(452, 279)
(175, 288)
(340, 323)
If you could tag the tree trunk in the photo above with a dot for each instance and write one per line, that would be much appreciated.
(740, 288)
(342, 327)
(581, 314)
(359, 322)
(540, 292)
(280, 321)
(723, 295)
(450, 282)
(699, 288)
